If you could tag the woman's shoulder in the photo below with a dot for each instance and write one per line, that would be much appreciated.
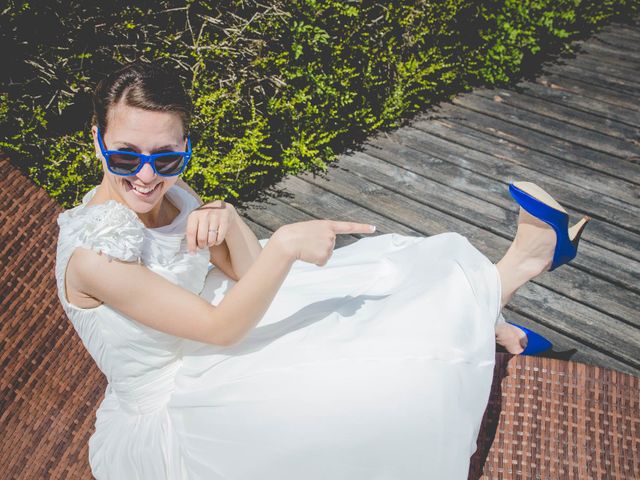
(187, 201)
(110, 228)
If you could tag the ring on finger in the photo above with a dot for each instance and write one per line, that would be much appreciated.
(213, 236)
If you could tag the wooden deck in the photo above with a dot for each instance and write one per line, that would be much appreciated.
(575, 130)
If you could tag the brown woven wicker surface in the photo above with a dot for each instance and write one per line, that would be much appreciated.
(546, 419)
(50, 386)
(552, 419)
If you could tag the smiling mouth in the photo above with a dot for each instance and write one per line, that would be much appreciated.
(143, 191)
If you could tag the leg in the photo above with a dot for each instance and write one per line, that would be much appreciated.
(528, 256)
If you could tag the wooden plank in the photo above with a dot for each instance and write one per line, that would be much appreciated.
(548, 125)
(454, 143)
(627, 74)
(465, 209)
(593, 45)
(604, 54)
(627, 28)
(629, 31)
(568, 153)
(629, 55)
(588, 91)
(547, 107)
(613, 35)
(613, 115)
(458, 140)
(337, 208)
(594, 78)
(474, 143)
(276, 213)
(621, 42)
(474, 152)
(598, 69)
(627, 23)
(596, 328)
(259, 231)
(271, 214)
(593, 258)
(615, 43)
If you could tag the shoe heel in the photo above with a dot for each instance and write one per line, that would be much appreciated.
(544, 207)
(575, 232)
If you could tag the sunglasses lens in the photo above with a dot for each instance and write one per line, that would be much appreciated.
(122, 163)
(169, 164)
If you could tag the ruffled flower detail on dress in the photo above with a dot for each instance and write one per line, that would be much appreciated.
(113, 230)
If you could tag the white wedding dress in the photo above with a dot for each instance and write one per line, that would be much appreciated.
(377, 365)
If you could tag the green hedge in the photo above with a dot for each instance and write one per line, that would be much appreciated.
(278, 88)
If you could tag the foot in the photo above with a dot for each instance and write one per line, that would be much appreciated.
(530, 254)
(511, 338)
(535, 241)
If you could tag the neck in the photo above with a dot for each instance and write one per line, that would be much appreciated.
(160, 215)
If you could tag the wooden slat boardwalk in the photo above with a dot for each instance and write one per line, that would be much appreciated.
(575, 130)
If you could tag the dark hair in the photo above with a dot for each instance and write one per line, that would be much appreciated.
(141, 85)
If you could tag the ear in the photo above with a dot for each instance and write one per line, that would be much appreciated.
(96, 145)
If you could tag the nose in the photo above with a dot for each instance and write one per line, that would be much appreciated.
(146, 173)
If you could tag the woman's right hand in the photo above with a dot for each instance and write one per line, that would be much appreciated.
(313, 241)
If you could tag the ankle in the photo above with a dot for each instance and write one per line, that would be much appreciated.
(511, 338)
(516, 268)
(533, 245)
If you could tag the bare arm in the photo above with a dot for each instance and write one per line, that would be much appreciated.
(240, 248)
(219, 255)
(182, 184)
(151, 299)
(244, 247)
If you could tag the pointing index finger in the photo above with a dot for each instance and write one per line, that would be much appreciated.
(352, 227)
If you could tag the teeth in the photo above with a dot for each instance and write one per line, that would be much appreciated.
(142, 189)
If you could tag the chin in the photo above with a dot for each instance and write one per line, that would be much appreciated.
(143, 203)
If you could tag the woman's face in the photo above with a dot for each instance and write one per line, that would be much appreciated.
(141, 131)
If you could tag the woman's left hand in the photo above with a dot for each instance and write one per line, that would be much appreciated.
(208, 224)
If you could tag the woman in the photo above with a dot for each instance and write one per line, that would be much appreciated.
(371, 361)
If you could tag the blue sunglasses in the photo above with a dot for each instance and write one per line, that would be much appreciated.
(126, 163)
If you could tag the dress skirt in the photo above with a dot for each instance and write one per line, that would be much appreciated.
(377, 365)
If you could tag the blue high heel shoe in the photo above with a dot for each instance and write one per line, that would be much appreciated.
(541, 205)
(536, 343)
